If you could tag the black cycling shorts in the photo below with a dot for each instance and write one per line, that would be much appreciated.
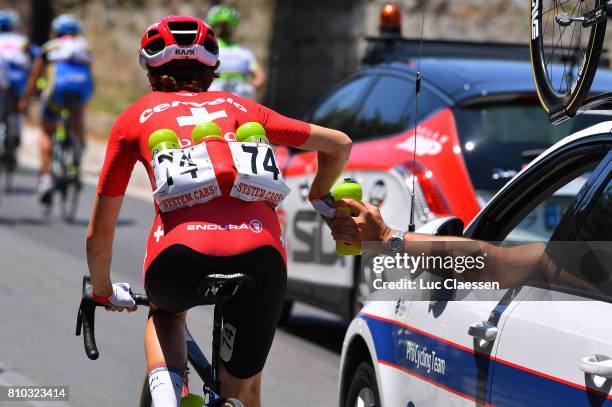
(249, 318)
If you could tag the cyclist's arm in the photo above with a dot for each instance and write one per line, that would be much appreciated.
(99, 242)
(333, 149)
(333, 146)
(121, 155)
(37, 70)
(258, 77)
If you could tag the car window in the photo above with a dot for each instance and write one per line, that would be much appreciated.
(493, 138)
(597, 225)
(385, 110)
(429, 101)
(539, 224)
(338, 110)
(584, 266)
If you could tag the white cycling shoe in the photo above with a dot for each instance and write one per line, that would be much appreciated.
(45, 188)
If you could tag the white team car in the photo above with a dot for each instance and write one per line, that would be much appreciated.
(517, 351)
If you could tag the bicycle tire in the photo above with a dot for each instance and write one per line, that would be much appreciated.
(3, 177)
(145, 394)
(555, 101)
(70, 200)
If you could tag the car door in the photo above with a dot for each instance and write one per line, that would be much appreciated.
(559, 335)
(461, 328)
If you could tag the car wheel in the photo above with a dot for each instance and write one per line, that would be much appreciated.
(363, 391)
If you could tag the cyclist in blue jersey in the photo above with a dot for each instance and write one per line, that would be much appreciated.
(239, 72)
(18, 54)
(66, 62)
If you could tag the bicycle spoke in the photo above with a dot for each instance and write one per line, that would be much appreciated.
(566, 57)
(560, 4)
(559, 39)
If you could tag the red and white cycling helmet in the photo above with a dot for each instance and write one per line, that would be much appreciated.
(178, 38)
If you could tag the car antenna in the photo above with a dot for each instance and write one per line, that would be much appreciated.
(411, 226)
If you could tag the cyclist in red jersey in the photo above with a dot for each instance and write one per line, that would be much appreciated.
(224, 235)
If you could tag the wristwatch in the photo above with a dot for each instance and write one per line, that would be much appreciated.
(395, 244)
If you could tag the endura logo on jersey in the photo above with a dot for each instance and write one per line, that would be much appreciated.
(201, 114)
(254, 226)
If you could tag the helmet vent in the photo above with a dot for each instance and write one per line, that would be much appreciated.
(184, 32)
(211, 46)
(152, 33)
(155, 46)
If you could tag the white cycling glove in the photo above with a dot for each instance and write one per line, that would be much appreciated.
(120, 297)
(324, 206)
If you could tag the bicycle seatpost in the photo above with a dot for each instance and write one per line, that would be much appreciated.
(216, 342)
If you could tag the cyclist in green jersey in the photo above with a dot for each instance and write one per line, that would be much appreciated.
(239, 72)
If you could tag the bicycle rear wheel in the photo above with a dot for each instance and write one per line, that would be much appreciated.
(566, 42)
(145, 394)
(70, 200)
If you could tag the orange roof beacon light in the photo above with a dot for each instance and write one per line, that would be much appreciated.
(390, 20)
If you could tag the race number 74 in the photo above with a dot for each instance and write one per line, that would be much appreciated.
(268, 163)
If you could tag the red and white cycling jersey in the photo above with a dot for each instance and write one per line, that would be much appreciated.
(224, 226)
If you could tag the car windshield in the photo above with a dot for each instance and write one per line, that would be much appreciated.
(498, 139)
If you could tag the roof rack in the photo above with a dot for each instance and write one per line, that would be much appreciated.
(394, 48)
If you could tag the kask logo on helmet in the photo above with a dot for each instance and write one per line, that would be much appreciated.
(184, 52)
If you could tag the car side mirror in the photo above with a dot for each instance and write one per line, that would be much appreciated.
(447, 226)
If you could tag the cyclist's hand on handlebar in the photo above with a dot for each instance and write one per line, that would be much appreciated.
(120, 299)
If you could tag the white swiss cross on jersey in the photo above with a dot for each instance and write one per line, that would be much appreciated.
(199, 115)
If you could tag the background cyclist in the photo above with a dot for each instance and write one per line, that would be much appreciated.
(224, 235)
(17, 52)
(66, 62)
(239, 72)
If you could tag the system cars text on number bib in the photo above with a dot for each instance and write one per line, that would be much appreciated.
(186, 177)
(259, 178)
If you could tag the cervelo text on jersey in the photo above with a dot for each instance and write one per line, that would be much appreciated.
(200, 116)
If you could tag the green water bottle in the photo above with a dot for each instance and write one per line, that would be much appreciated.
(163, 139)
(252, 132)
(192, 400)
(205, 130)
(347, 189)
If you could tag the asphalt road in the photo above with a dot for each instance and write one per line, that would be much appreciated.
(41, 265)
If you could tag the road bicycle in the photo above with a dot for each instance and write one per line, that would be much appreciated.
(10, 129)
(567, 38)
(215, 289)
(66, 152)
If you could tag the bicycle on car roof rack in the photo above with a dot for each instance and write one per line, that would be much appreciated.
(566, 44)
